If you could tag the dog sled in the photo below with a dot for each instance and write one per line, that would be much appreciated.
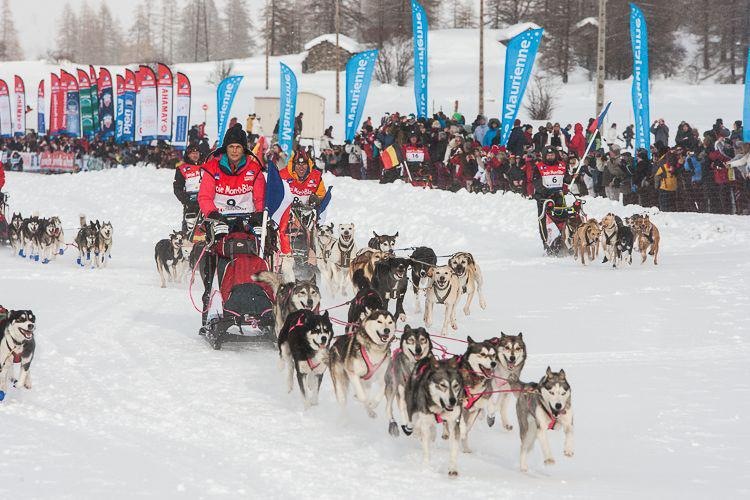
(303, 220)
(247, 305)
(4, 227)
(561, 220)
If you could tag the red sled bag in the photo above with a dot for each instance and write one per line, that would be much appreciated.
(240, 250)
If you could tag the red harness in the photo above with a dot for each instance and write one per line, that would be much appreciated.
(371, 369)
(471, 398)
(297, 325)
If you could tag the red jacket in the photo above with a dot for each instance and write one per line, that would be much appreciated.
(242, 191)
(2, 177)
(577, 143)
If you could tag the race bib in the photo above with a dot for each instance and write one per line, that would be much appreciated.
(551, 181)
(193, 184)
(415, 156)
(237, 204)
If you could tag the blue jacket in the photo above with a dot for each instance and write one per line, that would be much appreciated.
(489, 136)
(693, 166)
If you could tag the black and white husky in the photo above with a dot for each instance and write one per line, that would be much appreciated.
(103, 243)
(541, 408)
(435, 395)
(303, 348)
(31, 230)
(415, 345)
(511, 355)
(170, 258)
(422, 259)
(86, 241)
(51, 239)
(477, 367)
(383, 242)
(15, 233)
(362, 360)
(16, 346)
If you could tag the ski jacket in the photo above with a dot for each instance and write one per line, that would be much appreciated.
(2, 177)
(416, 155)
(187, 182)
(549, 179)
(304, 188)
(235, 190)
(577, 143)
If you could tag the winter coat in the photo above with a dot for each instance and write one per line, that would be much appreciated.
(661, 133)
(491, 137)
(556, 139)
(226, 190)
(479, 133)
(577, 143)
(540, 140)
(665, 178)
(516, 141)
(685, 139)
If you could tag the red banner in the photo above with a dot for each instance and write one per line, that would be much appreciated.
(130, 81)
(164, 83)
(19, 99)
(83, 79)
(58, 162)
(54, 105)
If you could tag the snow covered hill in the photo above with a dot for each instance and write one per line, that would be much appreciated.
(129, 402)
(454, 65)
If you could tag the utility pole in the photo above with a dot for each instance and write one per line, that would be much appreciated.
(601, 56)
(481, 57)
(338, 62)
(268, 35)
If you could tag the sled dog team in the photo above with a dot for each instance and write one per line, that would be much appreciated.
(427, 391)
(40, 238)
(617, 238)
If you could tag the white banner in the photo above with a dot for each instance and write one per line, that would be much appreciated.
(6, 122)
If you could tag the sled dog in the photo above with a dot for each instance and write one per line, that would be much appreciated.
(443, 289)
(103, 243)
(15, 233)
(648, 238)
(382, 242)
(586, 241)
(469, 278)
(511, 356)
(86, 241)
(390, 281)
(477, 368)
(421, 260)
(170, 258)
(544, 407)
(342, 252)
(366, 301)
(16, 346)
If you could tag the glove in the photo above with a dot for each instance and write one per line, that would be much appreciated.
(255, 219)
(217, 217)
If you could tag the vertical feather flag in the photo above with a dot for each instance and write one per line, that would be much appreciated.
(164, 82)
(62, 103)
(6, 120)
(146, 82)
(420, 29)
(72, 105)
(19, 98)
(120, 108)
(129, 107)
(287, 108)
(746, 113)
(94, 92)
(182, 111)
(54, 105)
(225, 93)
(358, 76)
(106, 104)
(87, 114)
(641, 113)
(40, 107)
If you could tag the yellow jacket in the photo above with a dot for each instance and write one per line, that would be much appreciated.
(666, 180)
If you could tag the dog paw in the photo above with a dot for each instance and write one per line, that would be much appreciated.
(407, 429)
(549, 461)
(483, 304)
(524, 468)
(467, 311)
(568, 453)
(402, 318)
(508, 427)
(371, 413)
(452, 473)
(27, 385)
(454, 326)
(393, 429)
(466, 449)
(490, 420)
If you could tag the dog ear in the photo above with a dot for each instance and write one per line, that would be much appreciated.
(470, 259)
(325, 314)
(549, 372)
(562, 374)
(502, 335)
(396, 235)
(470, 340)
(376, 234)
(430, 272)
(520, 336)
(407, 329)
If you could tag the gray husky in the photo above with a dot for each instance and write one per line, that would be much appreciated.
(543, 407)
(362, 360)
(415, 346)
(435, 395)
(477, 368)
(290, 297)
(511, 354)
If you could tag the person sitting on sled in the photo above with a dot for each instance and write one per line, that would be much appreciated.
(550, 178)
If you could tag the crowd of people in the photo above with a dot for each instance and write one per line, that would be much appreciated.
(688, 171)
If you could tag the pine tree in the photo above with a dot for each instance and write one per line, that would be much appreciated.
(111, 37)
(10, 49)
(239, 42)
(501, 13)
(167, 30)
(67, 35)
(141, 36)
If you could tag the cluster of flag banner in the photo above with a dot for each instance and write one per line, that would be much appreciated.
(137, 106)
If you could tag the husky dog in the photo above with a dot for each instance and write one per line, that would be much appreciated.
(16, 346)
(421, 260)
(103, 243)
(624, 246)
(170, 259)
(15, 233)
(539, 408)
(511, 356)
(366, 261)
(383, 242)
(586, 240)
(610, 226)
(290, 297)
(469, 277)
(342, 253)
(366, 300)
(415, 345)
(86, 241)
(51, 240)
(390, 281)
(648, 237)
(324, 241)
(31, 231)
(362, 360)
(434, 395)
(444, 288)
(477, 368)
(303, 347)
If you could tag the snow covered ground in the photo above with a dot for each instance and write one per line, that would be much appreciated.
(129, 402)
(454, 66)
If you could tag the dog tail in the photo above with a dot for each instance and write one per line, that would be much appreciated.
(82, 220)
(271, 278)
(359, 280)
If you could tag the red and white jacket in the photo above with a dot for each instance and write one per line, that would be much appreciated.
(241, 192)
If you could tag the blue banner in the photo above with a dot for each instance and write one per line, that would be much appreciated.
(420, 28)
(72, 114)
(746, 114)
(639, 44)
(358, 77)
(225, 93)
(128, 116)
(287, 108)
(519, 60)
(119, 115)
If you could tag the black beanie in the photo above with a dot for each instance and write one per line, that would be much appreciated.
(235, 135)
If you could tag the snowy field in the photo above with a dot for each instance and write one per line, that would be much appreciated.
(129, 402)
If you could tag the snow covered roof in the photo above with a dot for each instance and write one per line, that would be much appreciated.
(345, 42)
(587, 21)
(513, 30)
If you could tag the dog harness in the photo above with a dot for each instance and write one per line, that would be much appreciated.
(298, 324)
(552, 419)
(346, 254)
(371, 369)
(16, 355)
(441, 300)
(471, 399)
